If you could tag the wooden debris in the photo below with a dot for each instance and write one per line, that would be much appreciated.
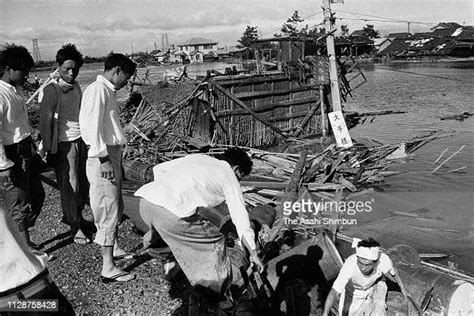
(441, 155)
(323, 186)
(448, 159)
(458, 169)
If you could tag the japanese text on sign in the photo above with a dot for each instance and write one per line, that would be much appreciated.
(339, 128)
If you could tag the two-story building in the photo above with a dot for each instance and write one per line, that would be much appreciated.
(196, 49)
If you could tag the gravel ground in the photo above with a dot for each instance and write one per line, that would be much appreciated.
(76, 270)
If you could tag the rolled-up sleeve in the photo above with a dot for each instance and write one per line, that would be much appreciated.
(47, 103)
(91, 118)
(5, 163)
(236, 204)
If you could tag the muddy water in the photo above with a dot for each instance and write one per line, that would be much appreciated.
(441, 204)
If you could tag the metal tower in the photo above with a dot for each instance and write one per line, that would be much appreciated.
(164, 41)
(36, 51)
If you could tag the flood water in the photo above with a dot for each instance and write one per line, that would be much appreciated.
(443, 202)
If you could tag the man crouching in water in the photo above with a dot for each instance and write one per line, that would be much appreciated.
(360, 281)
(169, 204)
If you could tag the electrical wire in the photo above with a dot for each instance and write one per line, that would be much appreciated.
(385, 18)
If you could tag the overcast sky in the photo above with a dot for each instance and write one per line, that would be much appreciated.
(99, 26)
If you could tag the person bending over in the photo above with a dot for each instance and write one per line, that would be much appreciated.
(169, 204)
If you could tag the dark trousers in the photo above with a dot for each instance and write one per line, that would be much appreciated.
(24, 190)
(72, 180)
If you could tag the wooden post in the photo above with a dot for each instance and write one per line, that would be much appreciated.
(323, 111)
(335, 93)
(257, 60)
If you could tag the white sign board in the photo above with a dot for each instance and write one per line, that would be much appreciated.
(339, 128)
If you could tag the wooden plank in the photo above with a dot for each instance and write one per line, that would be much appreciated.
(260, 94)
(323, 186)
(250, 80)
(307, 117)
(265, 185)
(287, 117)
(251, 112)
(268, 107)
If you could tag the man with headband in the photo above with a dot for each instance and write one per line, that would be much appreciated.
(360, 281)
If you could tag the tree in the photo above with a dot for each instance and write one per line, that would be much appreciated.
(249, 35)
(290, 28)
(344, 30)
(371, 31)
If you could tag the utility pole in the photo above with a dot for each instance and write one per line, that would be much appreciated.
(408, 27)
(328, 22)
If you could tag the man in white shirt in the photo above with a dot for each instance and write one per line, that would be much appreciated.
(24, 273)
(360, 284)
(169, 205)
(19, 164)
(60, 102)
(101, 131)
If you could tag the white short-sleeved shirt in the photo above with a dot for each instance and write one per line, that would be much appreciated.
(351, 275)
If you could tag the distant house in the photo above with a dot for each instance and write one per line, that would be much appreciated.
(382, 43)
(357, 44)
(196, 48)
(224, 53)
(446, 25)
(176, 56)
(358, 33)
(402, 35)
(446, 39)
(160, 56)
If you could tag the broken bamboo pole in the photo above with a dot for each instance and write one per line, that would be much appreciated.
(448, 159)
(51, 76)
(307, 118)
(444, 151)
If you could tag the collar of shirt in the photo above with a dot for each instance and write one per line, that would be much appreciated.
(106, 82)
(7, 85)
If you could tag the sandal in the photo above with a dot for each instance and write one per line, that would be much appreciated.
(116, 277)
(81, 240)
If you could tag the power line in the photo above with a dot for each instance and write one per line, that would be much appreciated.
(385, 18)
(369, 20)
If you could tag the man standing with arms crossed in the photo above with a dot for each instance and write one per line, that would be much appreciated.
(101, 131)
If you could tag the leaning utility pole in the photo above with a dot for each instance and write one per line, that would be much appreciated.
(328, 22)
